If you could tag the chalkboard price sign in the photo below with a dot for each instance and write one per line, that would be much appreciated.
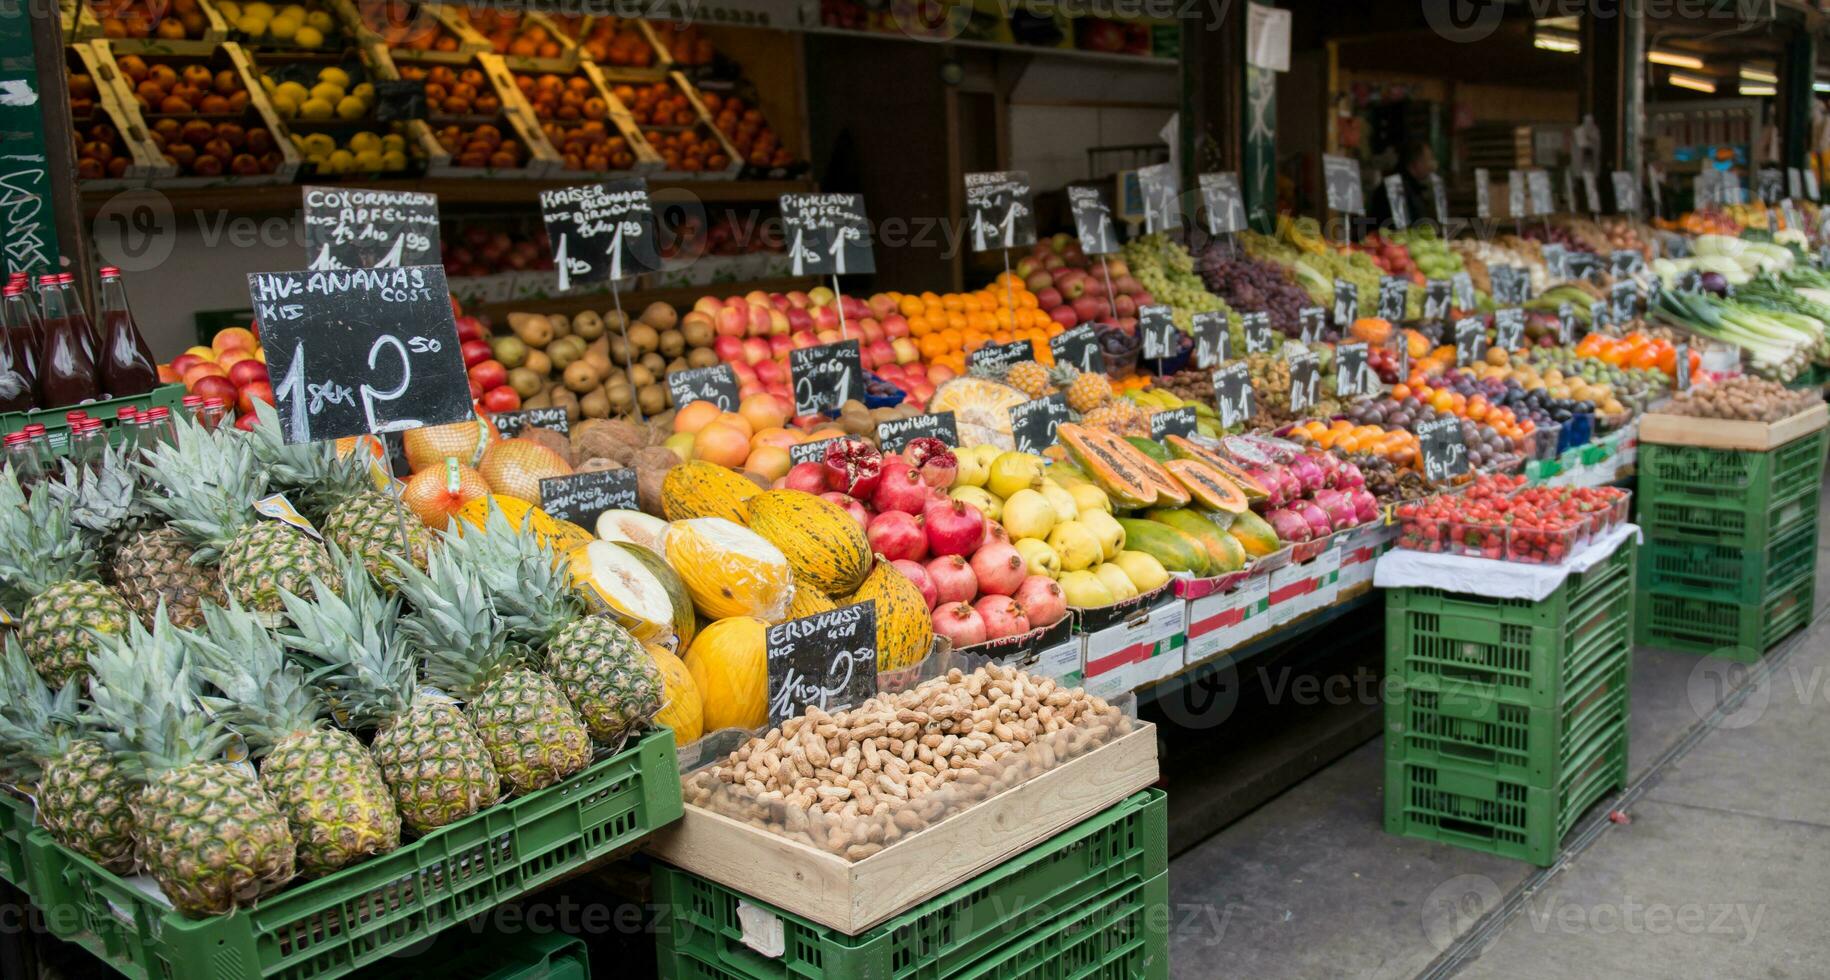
(1305, 382)
(1462, 286)
(354, 228)
(897, 433)
(1257, 326)
(1092, 220)
(1445, 455)
(716, 384)
(1483, 194)
(1212, 343)
(1508, 328)
(1582, 265)
(1436, 301)
(827, 234)
(1600, 315)
(1625, 262)
(1078, 347)
(1224, 204)
(1439, 195)
(1392, 291)
(1174, 422)
(1157, 184)
(827, 660)
(512, 424)
(1400, 206)
(1772, 184)
(600, 232)
(399, 101)
(360, 351)
(1470, 341)
(1310, 322)
(1342, 177)
(580, 497)
(1157, 331)
(1352, 374)
(1346, 304)
(1554, 256)
(810, 452)
(1002, 355)
(826, 377)
(1233, 398)
(1626, 191)
(1033, 423)
(998, 210)
(1623, 298)
(1681, 379)
(1690, 281)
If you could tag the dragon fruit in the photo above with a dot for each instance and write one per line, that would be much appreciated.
(1289, 525)
(1342, 514)
(1267, 477)
(1365, 505)
(1288, 484)
(1307, 472)
(1349, 477)
(1319, 525)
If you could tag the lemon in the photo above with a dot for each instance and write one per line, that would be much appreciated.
(335, 76)
(298, 142)
(393, 160)
(293, 10)
(330, 92)
(320, 143)
(350, 107)
(308, 37)
(342, 160)
(369, 161)
(282, 28)
(293, 91)
(364, 140)
(230, 11)
(268, 84)
(252, 25)
(285, 105)
(365, 92)
(316, 108)
(394, 141)
(320, 21)
(263, 10)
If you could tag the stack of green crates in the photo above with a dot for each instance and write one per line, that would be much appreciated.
(1731, 545)
(1091, 902)
(1506, 719)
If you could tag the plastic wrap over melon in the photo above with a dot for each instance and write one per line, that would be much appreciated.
(729, 570)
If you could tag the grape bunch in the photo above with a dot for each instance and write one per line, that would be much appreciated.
(1168, 274)
(1248, 284)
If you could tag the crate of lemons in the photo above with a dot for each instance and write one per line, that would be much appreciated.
(327, 118)
(293, 25)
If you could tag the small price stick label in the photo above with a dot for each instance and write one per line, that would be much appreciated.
(1508, 328)
(1462, 285)
(1625, 262)
(1690, 281)
(355, 228)
(1212, 343)
(1436, 295)
(810, 452)
(1483, 194)
(1623, 297)
(1600, 315)
(1394, 196)
(1470, 341)
(1173, 422)
(1157, 331)
(1445, 455)
(1515, 194)
(581, 497)
(1346, 304)
(1257, 327)
(1233, 398)
(716, 384)
(1311, 321)
(512, 424)
(998, 210)
(1591, 190)
(1305, 382)
(1681, 380)
(1795, 182)
(1566, 324)
(1539, 182)
(399, 101)
(897, 433)
(1224, 204)
(1033, 423)
(1569, 190)
(1342, 177)
(1079, 347)
(826, 377)
(360, 350)
(1157, 184)
(600, 232)
(1555, 257)
(1439, 195)
(1626, 191)
(1392, 290)
(827, 234)
(1002, 355)
(1352, 373)
(1092, 220)
(827, 660)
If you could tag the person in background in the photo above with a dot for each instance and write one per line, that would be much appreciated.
(1415, 165)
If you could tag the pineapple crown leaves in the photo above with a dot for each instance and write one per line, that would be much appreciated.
(524, 578)
(209, 482)
(103, 498)
(144, 696)
(37, 546)
(266, 697)
(315, 472)
(36, 723)
(352, 648)
(464, 644)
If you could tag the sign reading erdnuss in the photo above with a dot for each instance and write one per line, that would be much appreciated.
(827, 660)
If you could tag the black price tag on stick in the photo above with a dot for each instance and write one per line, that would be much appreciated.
(1566, 323)
(1092, 220)
(1483, 194)
(1033, 423)
(1342, 177)
(810, 452)
(1470, 341)
(1224, 204)
(1352, 372)
(1461, 285)
(360, 351)
(580, 497)
(600, 232)
(897, 433)
(1623, 300)
(827, 234)
(1001, 355)
(512, 424)
(1173, 422)
(1436, 301)
(716, 384)
(1233, 398)
(1395, 198)
(1445, 455)
(1157, 331)
(1508, 328)
(1346, 304)
(1213, 345)
(1626, 191)
(1257, 326)
(1682, 378)
(1600, 315)
(827, 660)
(1079, 347)
(826, 377)
(998, 210)
(399, 101)
(1392, 290)
(1311, 321)
(356, 228)
(1539, 182)
(1305, 382)
(1516, 200)
(1439, 195)
(1624, 262)
(1157, 184)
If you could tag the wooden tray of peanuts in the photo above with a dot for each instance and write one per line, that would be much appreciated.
(850, 818)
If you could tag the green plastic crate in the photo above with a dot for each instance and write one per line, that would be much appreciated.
(464, 955)
(1735, 499)
(1512, 650)
(361, 915)
(1722, 574)
(1514, 741)
(1742, 631)
(1124, 845)
(57, 429)
(1472, 807)
(17, 817)
(1725, 523)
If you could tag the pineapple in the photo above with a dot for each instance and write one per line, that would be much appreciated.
(106, 505)
(322, 778)
(205, 830)
(50, 574)
(607, 675)
(534, 735)
(209, 483)
(82, 798)
(160, 566)
(429, 756)
(1086, 390)
(527, 581)
(1030, 378)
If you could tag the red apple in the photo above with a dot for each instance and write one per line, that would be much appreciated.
(733, 321)
(778, 323)
(895, 326)
(906, 352)
(708, 305)
(770, 371)
(1048, 297)
(501, 398)
(1064, 315)
(759, 319)
(469, 328)
(184, 362)
(779, 346)
(215, 386)
(798, 299)
(755, 350)
(799, 319)
(246, 422)
(869, 329)
(489, 373)
(803, 339)
(247, 372)
(728, 348)
(743, 371)
(258, 391)
(476, 352)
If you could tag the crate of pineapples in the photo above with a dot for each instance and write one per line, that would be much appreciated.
(361, 734)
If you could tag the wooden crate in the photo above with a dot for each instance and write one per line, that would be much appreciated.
(702, 125)
(215, 31)
(660, 61)
(516, 119)
(114, 105)
(1685, 430)
(469, 42)
(852, 896)
(77, 21)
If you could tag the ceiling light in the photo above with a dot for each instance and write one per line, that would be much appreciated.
(1555, 41)
(1747, 89)
(1696, 83)
(1820, 87)
(1750, 74)
(1672, 59)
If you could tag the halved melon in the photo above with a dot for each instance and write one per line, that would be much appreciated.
(685, 623)
(612, 575)
(1207, 486)
(632, 526)
(1182, 448)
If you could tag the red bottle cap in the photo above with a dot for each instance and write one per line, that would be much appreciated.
(110, 272)
(126, 414)
(75, 415)
(50, 280)
(159, 414)
(192, 401)
(15, 438)
(35, 429)
(213, 403)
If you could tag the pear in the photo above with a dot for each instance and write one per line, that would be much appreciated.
(1106, 528)
(979, 497)
(1066, 507)
(1028, 514)
(1084, 590)
(1041, 558)
(1076, 544)
(1144, 570)
(1089, 497)
(1013, 471)
(1115, 579)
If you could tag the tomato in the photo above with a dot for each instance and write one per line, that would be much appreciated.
(501, 398)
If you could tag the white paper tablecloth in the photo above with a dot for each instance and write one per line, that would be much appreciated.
(1402, 568)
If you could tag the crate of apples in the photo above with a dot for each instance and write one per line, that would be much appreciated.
(527, 39)
(418, 32)
(113, 148)
(233, 368)
(209, 119)
(674, 123)
(173, 26)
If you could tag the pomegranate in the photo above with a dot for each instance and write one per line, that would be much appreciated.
(1042, 600)
(995, 532)
(850, 506)
(934, 459)
(953, 578)
(959, 623)
(1002, 615)
(894, 534)
(1000, 568)
(853, 467)
(917, 573)
(954, 527)
(806, 477)
(900, 488)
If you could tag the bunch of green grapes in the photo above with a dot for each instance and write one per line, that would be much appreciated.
(1167, 272)
(1268, 248)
